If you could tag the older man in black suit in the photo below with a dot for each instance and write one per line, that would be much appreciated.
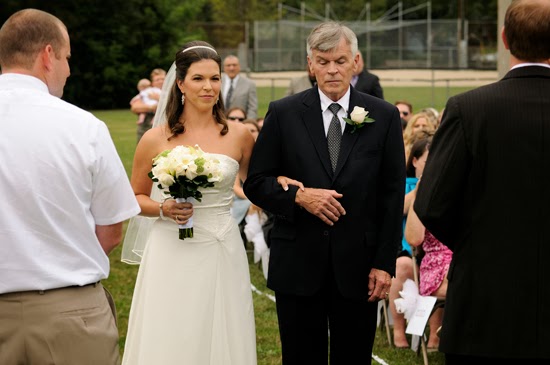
(333, 244)
(485, 194)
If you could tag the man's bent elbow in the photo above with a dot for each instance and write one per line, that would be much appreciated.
(109, 236)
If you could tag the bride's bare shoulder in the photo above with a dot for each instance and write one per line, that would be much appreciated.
(153, 139)
(156, 134)
(238, 130)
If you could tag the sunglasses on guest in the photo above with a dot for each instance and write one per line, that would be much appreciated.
(240, 119)
(405, 113)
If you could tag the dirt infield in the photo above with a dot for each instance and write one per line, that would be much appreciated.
(396, 77)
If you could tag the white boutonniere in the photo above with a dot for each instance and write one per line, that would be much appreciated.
(358, 117)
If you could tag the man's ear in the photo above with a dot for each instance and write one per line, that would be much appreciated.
(310, 64)
(355, 62)
(504, 40)
(46, 55)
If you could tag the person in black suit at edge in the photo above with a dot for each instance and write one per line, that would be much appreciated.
(334, 243)
(498, 299)
(365, 81)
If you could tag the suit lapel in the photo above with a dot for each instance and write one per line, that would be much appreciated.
(348, 138)
(313, 120)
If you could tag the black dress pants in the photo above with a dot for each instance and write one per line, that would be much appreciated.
(305, 322)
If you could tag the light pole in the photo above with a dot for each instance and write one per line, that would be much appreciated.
(503, 58)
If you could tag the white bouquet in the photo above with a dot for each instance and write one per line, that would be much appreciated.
(180, 173)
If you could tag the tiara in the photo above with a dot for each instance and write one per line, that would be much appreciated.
(194, 47)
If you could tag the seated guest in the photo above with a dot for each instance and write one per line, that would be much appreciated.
(432, 113)
(253, 127)
(405, 111)
(433, 268)
(260, 121)
(403, 267)
(236, 114)
(419, 122)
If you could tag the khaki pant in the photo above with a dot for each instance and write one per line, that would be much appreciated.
(67, 326)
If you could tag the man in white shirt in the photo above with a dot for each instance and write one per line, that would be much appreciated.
(65, 195)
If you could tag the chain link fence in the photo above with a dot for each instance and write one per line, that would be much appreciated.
(395, 44)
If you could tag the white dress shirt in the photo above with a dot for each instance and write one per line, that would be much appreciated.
(227, 84)
(60, 177)
(327, 114)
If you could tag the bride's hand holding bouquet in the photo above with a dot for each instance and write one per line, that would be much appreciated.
(180, 172)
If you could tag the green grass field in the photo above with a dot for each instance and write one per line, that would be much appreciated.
(122, 126)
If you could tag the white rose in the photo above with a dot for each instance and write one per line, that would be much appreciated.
(160, 168)
(180, 167)
(191, 171)
(166, 179)
(216, 176)
(358, 114)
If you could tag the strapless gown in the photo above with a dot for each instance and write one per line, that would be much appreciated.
(192, 302)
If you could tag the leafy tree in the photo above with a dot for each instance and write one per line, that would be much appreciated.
(114, 43)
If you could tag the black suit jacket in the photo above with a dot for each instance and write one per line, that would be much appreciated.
(370, 174)
(485, 193)
(369, 84)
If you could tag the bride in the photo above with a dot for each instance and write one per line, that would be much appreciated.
(192, 302)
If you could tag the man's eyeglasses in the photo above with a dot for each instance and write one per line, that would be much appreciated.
(405, 113)
(236, 118)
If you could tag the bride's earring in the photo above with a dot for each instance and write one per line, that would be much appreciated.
(182, 99)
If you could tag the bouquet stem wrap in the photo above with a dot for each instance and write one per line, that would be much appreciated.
(186, 230)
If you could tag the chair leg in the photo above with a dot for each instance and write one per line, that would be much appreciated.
(424, 347)
(387, 321)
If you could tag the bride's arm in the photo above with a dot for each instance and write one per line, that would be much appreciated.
(147, 149)
(238, 188)
(246, 141)
(247, 144)
(286, 181)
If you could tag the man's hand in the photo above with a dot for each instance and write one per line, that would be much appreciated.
(321, 203)
(379, 285)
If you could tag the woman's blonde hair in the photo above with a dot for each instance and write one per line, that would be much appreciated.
(409, 134)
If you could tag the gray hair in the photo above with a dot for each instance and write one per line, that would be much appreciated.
(326, 36)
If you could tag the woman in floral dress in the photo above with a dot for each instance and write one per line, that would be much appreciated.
(434, 265)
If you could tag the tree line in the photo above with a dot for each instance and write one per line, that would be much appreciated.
(114, 43)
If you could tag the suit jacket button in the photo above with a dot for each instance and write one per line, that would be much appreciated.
(325, 233)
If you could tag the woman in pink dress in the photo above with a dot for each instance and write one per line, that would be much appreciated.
(433, 268)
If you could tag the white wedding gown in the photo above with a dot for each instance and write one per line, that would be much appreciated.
(192, 302)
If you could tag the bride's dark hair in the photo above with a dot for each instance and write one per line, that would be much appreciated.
(184, 60)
